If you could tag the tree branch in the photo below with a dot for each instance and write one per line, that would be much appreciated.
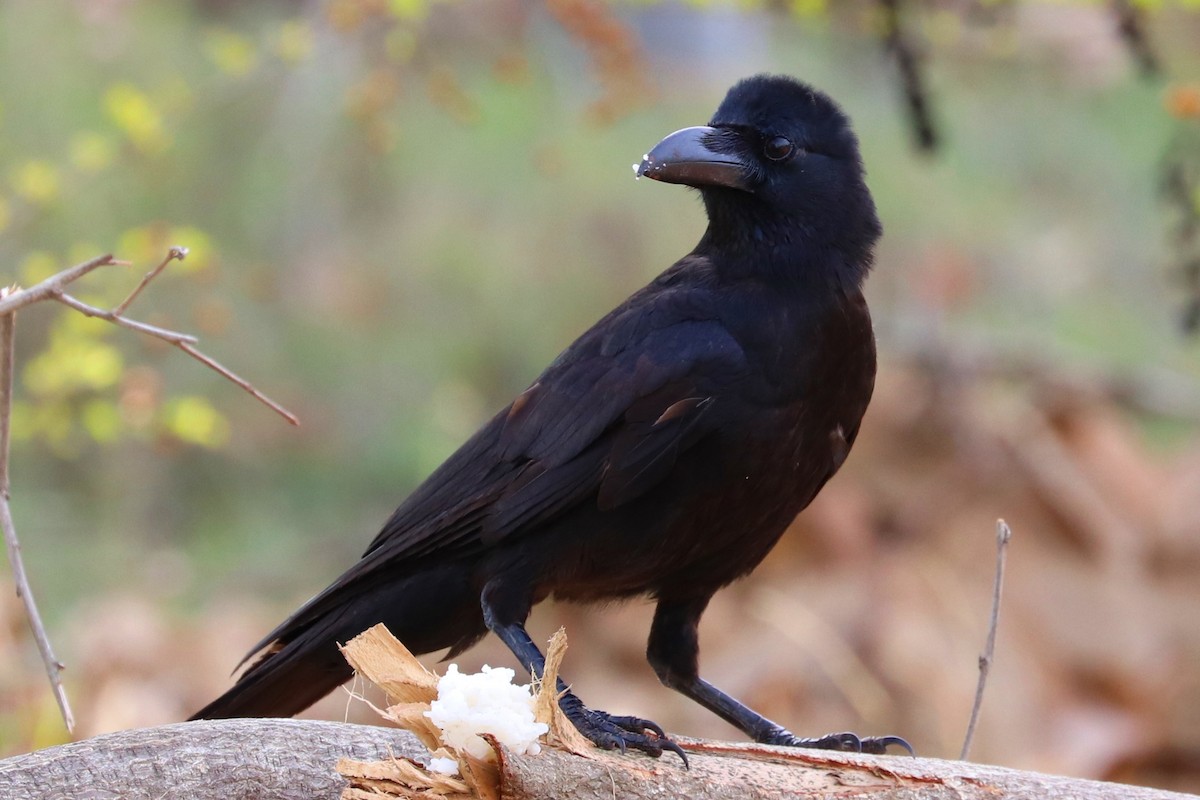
(1003, 537)
(174, 254)
(12, 543)
(294, 760)
(88, 310)
(1131, 27)
(54, 288)
(183, 341)
(912, 79)
(19, 298)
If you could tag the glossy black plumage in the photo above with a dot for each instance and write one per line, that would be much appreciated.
(663, 453)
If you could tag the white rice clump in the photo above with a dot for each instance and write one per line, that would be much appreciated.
(444, 766)
(486, 702)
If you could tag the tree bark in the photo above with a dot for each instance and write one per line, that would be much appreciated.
(294, 760)
(243, 759)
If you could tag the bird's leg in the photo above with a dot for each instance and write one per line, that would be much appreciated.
(673, 651)
(505, 609)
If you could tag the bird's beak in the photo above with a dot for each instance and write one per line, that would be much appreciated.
(688, 157)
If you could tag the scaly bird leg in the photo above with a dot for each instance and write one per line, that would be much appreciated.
(673, 652)
(504, 613)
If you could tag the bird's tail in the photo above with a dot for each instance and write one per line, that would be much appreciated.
(301, 662)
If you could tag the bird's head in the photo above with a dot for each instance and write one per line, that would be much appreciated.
(780, 172)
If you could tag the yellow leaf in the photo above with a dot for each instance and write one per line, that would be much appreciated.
(409, 9)
(133, 112)
(73, 363)
(36, 181)
(192, 419)
(294, 41)
(100, 365)
(101, 420)
(809, 8)
(231, 52)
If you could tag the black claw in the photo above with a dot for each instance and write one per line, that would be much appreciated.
(848, 742)
(878, 745)
(637, 724)
(667, 744)
(620, 733)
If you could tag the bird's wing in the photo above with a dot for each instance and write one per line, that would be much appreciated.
(603, 424)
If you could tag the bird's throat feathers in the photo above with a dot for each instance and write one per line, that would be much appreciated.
(745, 239)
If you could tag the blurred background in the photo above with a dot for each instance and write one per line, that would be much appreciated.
(398, 211)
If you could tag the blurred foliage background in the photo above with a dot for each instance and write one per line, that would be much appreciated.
(399, 210)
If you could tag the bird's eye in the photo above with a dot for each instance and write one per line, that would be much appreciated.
(778, 148)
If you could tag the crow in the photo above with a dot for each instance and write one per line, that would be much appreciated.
(662, 454)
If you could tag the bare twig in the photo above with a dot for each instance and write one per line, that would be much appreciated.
(88, 310)
(54, 288)
(53, 666)
(242, 382)
(1003, 535)
(183, 341)
(174, 254)
(52, 285)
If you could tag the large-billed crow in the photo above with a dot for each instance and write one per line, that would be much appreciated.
(663, 453)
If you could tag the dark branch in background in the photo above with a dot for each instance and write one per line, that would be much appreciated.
(54, 288)
(1131, 27)
(908, 63)
(1003, 536)
(1179, 189)
(1191, 312)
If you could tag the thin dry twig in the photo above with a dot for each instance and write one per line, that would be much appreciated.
(174, 254)
(242, 382)
(20, 298)
(183, 341)
(1003, 536)
(88, 310)
(54, 288)
(53, 666)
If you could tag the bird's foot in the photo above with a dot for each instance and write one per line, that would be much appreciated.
(845, 742)
(610, 732)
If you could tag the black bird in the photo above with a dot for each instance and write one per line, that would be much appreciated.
(663, 453)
